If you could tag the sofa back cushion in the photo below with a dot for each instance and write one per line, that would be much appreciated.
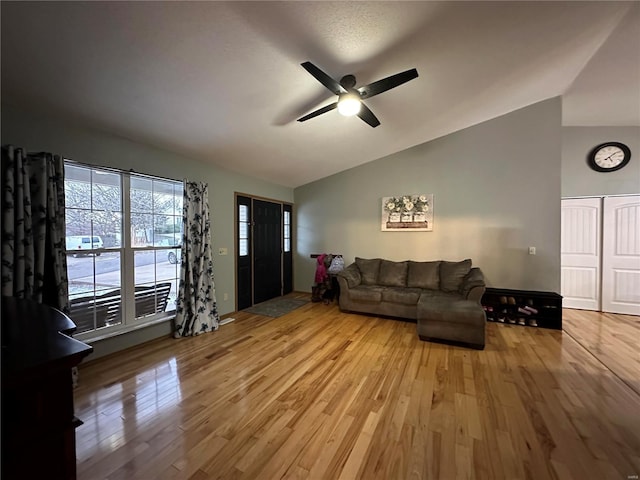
(392, 274)
(424, 275)
(352, 275)
(369, 269)
(452, 274)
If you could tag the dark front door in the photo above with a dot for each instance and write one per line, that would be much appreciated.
(264, 244)
(267, 250)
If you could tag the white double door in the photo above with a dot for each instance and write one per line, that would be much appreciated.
(600, 254)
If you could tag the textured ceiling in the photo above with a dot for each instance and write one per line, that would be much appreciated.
(222, 81)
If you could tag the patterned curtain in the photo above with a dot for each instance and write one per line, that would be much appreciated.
(34, 263)
(197, 311)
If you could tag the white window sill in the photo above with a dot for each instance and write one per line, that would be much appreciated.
(110, 332)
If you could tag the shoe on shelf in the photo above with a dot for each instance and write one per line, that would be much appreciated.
(512, 320)
(512, 301)
(530, 309)
(533, 322)
(521, 321)
(524, 310)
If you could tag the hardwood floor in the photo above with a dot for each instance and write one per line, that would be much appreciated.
(319, 394)
(613, 339)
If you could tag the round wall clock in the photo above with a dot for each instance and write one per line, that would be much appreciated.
(609, 157)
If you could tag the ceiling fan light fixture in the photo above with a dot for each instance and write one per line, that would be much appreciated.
(350, 100)
(349, 104)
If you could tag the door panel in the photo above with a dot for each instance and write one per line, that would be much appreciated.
(621, 259)
(580, 253)
(267, 250)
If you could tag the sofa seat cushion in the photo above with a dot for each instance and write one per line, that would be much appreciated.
(404, 295)
(430, 296)
(366, 293)
(451, 309)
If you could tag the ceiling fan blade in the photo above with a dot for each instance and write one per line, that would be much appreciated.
(368, 116)
(388, 83)
(323, 78)
(320, 111)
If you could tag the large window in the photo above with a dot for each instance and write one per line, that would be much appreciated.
(123, 239)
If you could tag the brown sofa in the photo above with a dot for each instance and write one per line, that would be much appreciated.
(443, 297)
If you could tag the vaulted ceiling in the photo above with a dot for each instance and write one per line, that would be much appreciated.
(222, 82)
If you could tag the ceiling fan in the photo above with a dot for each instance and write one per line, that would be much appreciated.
(350, 98)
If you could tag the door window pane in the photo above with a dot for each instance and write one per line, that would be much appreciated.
(243, 230)
(287, 231)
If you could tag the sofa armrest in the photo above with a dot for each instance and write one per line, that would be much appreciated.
(473, 285)
(349, 277)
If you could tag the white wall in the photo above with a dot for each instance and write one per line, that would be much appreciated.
(37, 133)
(578, 180)
(496, 190)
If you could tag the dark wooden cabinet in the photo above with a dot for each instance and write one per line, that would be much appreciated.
(38, 421)
(523, 307)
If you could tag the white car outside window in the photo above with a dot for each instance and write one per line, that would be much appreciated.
(83, 243)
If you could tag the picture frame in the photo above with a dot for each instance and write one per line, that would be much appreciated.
(407, 213)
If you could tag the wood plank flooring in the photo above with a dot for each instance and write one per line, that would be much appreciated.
(612, 339)
(320, 394)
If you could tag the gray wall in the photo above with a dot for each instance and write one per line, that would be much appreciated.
(578, 180)
(38, 133)
(496, 190)
(496, 186)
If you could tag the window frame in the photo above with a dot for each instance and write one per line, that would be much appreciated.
(127, 253)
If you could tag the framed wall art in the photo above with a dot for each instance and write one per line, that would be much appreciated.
(407, 213)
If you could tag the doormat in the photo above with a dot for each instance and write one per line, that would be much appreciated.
(276, 307)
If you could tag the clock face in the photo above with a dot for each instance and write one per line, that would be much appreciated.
(609, 157)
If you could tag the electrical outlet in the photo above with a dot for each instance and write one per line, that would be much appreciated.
(222, 251)
(532, 250)
(225, 296)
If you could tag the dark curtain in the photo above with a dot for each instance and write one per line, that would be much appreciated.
(34, 263)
